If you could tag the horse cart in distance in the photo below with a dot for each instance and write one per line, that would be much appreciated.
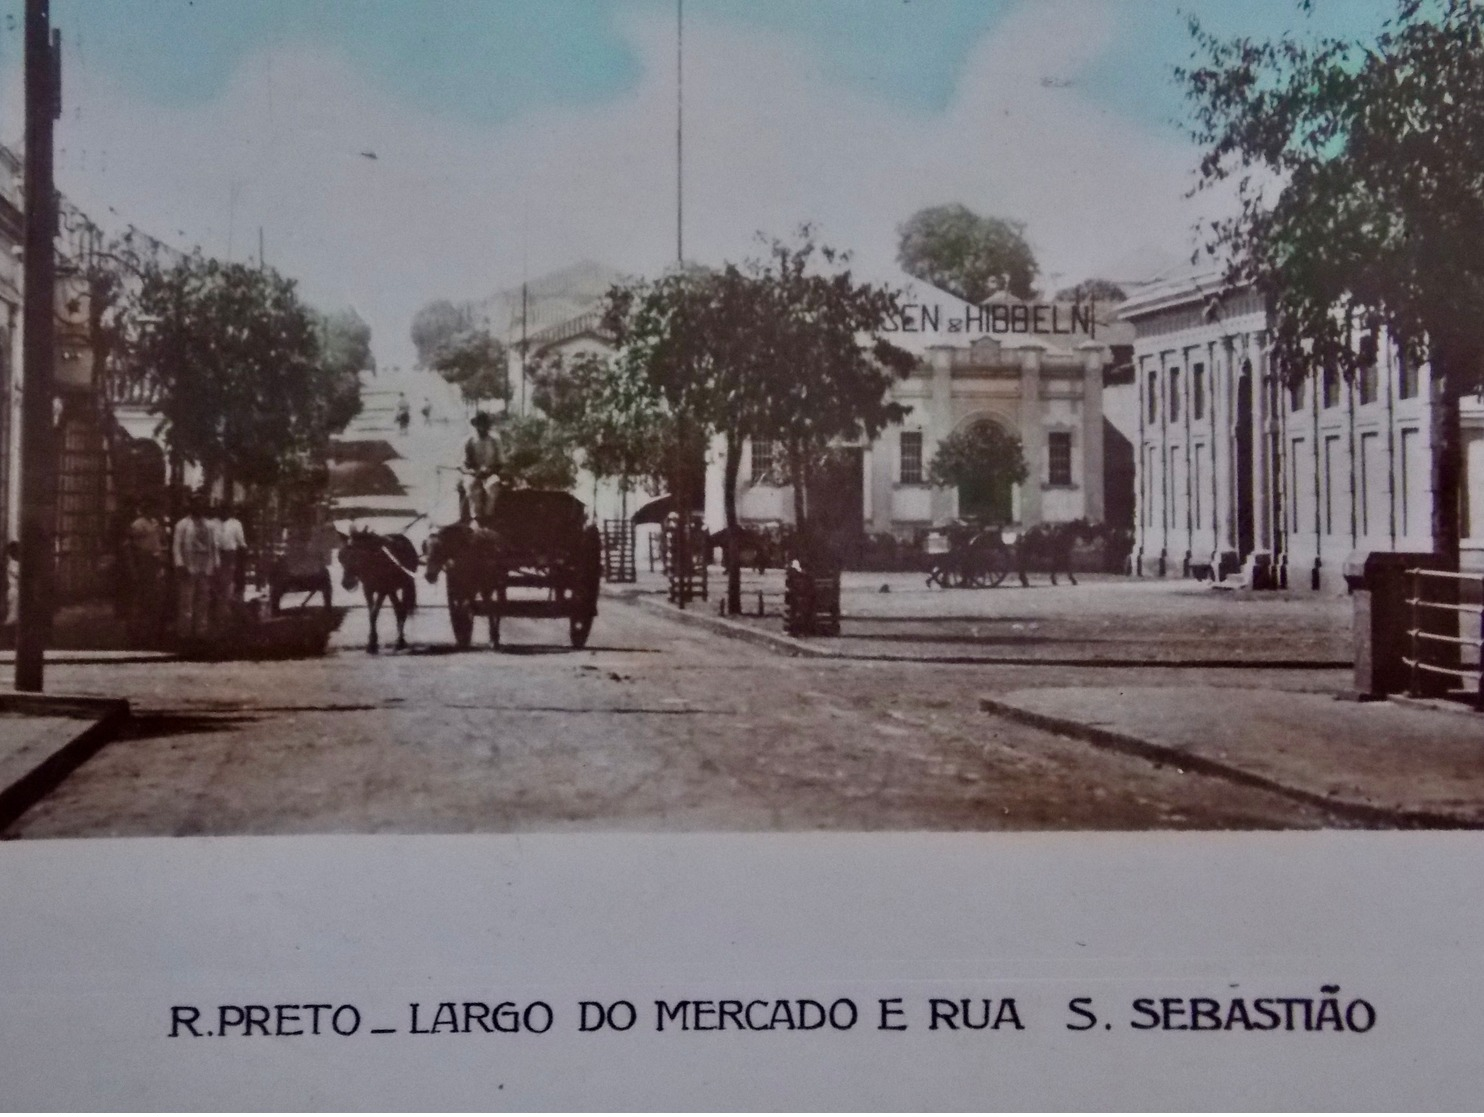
(535, 542)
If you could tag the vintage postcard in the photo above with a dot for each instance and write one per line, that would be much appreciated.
(941, 541)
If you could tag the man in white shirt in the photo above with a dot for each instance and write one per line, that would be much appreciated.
(194, 552)
(231, 545)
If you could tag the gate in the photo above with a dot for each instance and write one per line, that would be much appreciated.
(1446, 612)
(685, 560)
(618, 551)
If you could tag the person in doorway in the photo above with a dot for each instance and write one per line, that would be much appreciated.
(483, 460)
(195, 556)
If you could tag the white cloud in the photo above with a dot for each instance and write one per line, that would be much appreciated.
(456, 209)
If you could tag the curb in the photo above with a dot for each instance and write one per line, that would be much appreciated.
(1184, 761)
(777, 642)
(791, 645)
(105, 716)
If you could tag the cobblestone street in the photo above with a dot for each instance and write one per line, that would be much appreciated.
(657, 725)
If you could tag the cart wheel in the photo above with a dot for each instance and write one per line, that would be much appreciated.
(998, 567)
(461, 616)
(579, 627)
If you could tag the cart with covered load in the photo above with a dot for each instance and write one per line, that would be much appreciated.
(534, 555)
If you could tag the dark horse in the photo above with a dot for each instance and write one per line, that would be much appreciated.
(382, 566)
(471, 555)
(1048, 547)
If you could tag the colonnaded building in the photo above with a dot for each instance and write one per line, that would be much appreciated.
(1239, 474)
(1036, 370)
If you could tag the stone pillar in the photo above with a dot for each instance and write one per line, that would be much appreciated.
(1032, 430)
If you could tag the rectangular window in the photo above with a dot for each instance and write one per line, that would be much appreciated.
(1406, 376)
(1413, 475)
(1152, 483)
(1152, 399)
(1198, 391)
(911, 458)
(1372, 484)
(1369, 383)
(1302, 470)
(1331, 468)
(1174, 395)
(1059, 458)
(1178, 513)
(762, 460)
(1297, 393)
(1331, 386)
(1197, 471)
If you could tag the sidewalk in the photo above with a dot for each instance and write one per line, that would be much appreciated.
(43, 738)
(1104, 621)
(1383, 763)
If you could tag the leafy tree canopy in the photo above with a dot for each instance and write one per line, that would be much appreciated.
(535, 453)
(971, 256)
(477, 362)
(345, 352)
(235, 359)
(437, 324)
(982, 460)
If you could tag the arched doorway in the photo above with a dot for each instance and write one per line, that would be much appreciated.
(990, 502)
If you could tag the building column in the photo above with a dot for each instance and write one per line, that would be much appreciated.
(940, 424)
(1094, 359)
(1032, 432)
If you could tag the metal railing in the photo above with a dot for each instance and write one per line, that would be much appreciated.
(1437, 633)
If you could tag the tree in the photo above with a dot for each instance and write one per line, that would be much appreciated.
(823, 370)
(1359, 175)
(476, 361)
(233, 356)
(345, 352)
(982, 461)
(534, 453)
(437, 324)
(787, 347)
(971, 256)
(1093, 290)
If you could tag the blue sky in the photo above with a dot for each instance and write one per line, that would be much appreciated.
(517, 137)
(490, 60)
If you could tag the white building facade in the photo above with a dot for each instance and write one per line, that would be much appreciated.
(1238, 471)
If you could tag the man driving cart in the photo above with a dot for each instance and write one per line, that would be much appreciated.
(482, 461)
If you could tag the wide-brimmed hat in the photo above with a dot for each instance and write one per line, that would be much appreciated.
(481, 420)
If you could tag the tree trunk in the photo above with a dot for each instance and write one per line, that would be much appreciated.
(1449, 366)
(796, 474)
(729, 500)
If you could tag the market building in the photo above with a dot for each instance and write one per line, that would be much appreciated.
(1240, 474)
(1037, 370)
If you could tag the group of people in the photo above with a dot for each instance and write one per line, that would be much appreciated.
(204, 558)
(404, 412)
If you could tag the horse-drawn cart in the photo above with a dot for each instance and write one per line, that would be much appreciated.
(535, 542)
(973, 558)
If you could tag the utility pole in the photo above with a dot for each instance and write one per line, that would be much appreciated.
(679, 139)
(39, 354)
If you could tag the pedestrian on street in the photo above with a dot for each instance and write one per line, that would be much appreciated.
(427, 411)
(231, 544)
(404, 413)
(195, 555)
(146, 547)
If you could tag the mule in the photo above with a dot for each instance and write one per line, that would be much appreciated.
(382, 566)
(1048, 548)
(470, 555)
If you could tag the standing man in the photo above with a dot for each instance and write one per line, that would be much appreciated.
(195, 556)
(482, 459)
(231, 544)
(404, 413)
(147, 561)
